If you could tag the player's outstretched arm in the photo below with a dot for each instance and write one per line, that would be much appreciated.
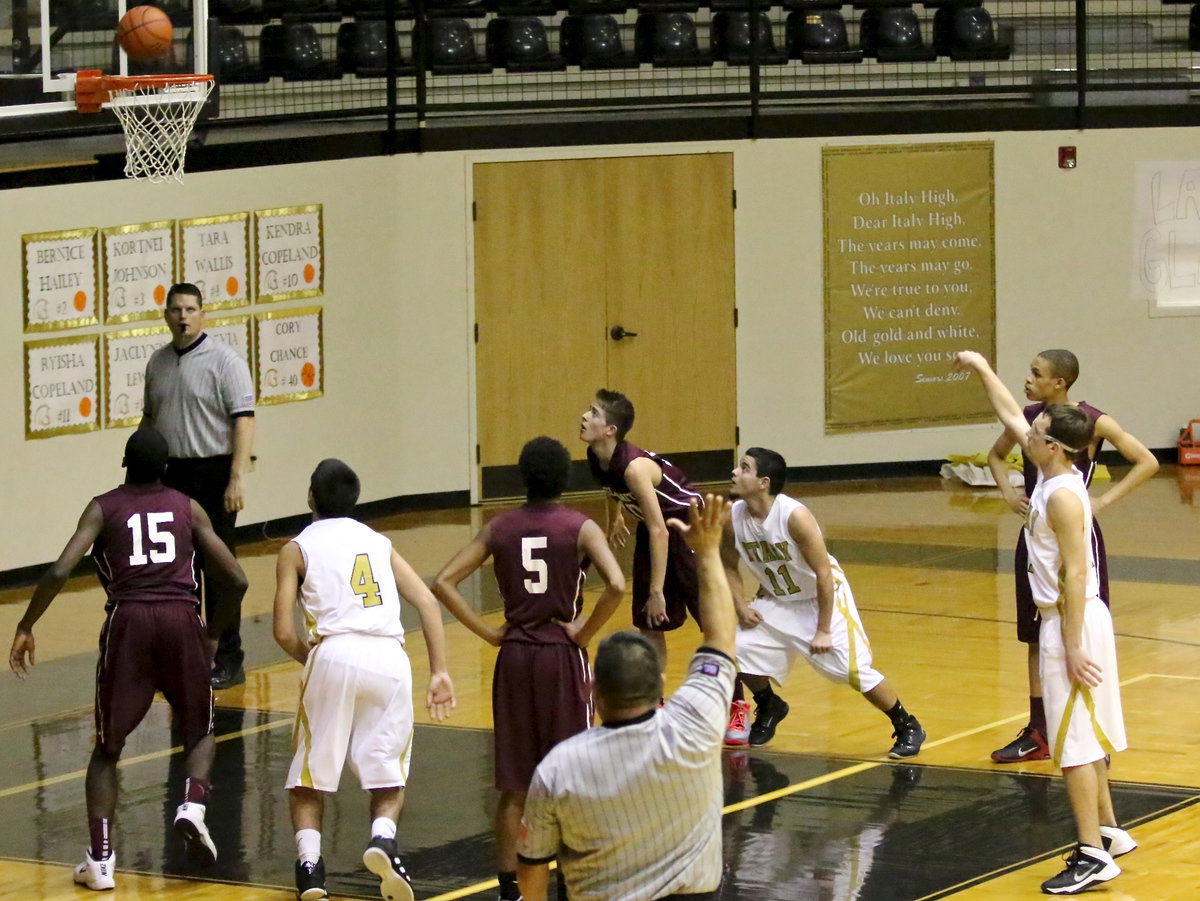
(23, 653)
(747, 616)
(221, 566)
(439, 697)
(640, 476)
(1064, 513)
(594, 546)
(445, 587)
(998, 464)
(1144, 463)
(703, 535)
(803, 528)
(1008, 411)
(289, 570)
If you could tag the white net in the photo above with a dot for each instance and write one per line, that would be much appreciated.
(158, 122)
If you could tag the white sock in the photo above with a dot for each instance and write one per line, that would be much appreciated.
(308, 845)
(383, 827)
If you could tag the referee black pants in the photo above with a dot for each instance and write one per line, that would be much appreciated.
(204, 480)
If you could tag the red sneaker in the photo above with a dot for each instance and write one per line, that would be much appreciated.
(737, 733)
(1029, 744)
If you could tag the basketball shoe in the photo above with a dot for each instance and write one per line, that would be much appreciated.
(1030, 744)
(1117, 841)
(310, 880)
(908, 740)
(382, 859)
(1086, 866)
(96, 874)
(737, 733)
(767, 717)
(189, 823)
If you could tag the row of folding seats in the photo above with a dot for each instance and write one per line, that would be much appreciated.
(294, 50)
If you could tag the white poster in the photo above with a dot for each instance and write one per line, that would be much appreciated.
(125, 356)
(234, 331)
(215, 258)
(62, 379)
(139, 268)
(290, 248)
(290, 357)
(59, 279)
(1166, 233)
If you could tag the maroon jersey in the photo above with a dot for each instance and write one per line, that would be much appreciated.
(1085, 460)
(538, 569)
(674, 492)
(144, 551)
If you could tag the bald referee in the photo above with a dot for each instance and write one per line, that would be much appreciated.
(632, 808)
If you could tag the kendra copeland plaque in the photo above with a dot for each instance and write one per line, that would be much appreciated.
(290, 355)
(62, 378)
(216, 259)
(59, 270)
(289, 242)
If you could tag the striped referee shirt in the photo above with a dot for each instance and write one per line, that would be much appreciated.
(192, 396)
(632, 810)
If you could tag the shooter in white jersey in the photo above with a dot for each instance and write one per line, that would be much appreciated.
(356, 691)
(804, 608)
(1077, 648)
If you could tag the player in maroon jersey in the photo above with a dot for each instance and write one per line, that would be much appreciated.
(653, 490)
(541, 691)
(1051, 375)
(143, 537)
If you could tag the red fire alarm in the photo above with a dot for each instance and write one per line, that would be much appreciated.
(1066, 157)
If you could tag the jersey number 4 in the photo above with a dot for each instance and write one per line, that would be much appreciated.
(362, 582)
(163, 542)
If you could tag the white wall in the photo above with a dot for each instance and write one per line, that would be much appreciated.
(398, 401)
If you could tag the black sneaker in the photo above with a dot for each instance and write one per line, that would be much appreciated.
(310, 881)
(227, 674)
(382, 859)
(766, 717)
(1030, 744)
(1085, 866)
(908, 740)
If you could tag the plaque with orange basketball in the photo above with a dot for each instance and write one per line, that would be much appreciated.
(125, 355)
(139, 268)
(59, 279)
(62, 386)
(214, 256)
(290, 357)
(289, 246)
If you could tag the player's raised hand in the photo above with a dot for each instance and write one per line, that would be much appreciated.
(22, 647)
(969, 359)
(703, 529)
(439, 698)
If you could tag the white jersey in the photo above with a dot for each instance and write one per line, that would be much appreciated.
(348, 583)
(768, 549)
(1045, 558)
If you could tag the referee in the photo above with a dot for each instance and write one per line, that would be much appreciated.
(632, 808)
(198, 393)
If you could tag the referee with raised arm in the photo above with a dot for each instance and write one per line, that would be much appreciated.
(632, 808)
(199, 395)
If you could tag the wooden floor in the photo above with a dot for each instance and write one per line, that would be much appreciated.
(930, 566)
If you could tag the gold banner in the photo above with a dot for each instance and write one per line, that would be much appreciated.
(909, 280)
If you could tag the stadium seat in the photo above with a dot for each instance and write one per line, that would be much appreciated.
(818, 36)
(510, 8)
(376, 9)
(303, 10)
(293, 50)
(668, 39)
(962, 30)
(594, 42)
(238, 12)
(892, 33)
(362, 50)
(519, 44)
(731, 40)
(450, 48)
(456, 9)
(232, 63)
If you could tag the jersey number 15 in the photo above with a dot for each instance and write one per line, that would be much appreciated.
(163, 550)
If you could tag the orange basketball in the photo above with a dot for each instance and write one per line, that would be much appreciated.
(145, 32)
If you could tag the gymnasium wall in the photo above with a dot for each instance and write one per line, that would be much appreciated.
(399, 405)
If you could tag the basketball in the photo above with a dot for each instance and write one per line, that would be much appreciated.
(145, 32)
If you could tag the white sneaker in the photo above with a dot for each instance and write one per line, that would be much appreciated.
(1117, 841)
(189, 823)
(97, 874)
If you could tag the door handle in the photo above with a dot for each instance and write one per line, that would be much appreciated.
(618, 333)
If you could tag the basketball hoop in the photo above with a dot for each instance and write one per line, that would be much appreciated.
(157, 113)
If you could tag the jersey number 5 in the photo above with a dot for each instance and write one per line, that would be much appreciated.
(535, 567)
(362, 582)
(163, 550)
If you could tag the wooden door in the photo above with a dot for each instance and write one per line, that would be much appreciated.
(567, 249)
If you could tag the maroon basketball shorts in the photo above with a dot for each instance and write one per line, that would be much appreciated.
(541, 694)
(681, 587)
(149, 647)
(1029, 621)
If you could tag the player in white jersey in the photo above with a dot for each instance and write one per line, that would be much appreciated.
(1077, 655)
(804, 607)
(356, 690)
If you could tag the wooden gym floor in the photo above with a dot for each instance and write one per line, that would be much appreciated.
(818, 814)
